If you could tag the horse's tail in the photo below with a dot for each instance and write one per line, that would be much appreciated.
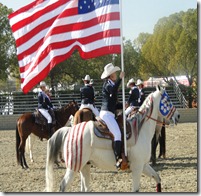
(54, 145)
(49, 169)
(17, 143)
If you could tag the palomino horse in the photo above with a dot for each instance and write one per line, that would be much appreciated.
(26, 125)
(82, 115)
(81, 145)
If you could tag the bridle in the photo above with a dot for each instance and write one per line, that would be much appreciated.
(169, 114)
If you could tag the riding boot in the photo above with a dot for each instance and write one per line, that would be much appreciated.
(49, 125)
(117, 152)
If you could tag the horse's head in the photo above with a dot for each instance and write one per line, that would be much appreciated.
(72, 107)
(166, 108)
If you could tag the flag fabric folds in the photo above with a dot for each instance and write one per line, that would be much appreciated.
(48, 31)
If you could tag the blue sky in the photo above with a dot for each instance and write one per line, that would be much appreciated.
(137, 15)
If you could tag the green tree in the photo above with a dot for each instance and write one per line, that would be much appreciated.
(7, 47)
(172, 49)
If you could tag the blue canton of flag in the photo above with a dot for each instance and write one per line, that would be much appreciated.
(165, 104)
(86, 6)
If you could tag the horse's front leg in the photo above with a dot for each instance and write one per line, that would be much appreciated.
(136, 175)
(149, 171)
(85, 178)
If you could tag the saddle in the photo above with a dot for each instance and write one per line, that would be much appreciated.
(41, 120)
(101, 130)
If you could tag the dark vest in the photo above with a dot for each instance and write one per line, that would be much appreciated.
(110, 96)
(87, 95)
(133, 97)
(44, 101)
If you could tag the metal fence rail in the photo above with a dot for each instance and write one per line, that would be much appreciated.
(19, 103)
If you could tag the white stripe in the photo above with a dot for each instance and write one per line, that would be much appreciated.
(65, 37)
(53, 53)
(66, 21)
(26, 29)
(32, 11)
(79, 144)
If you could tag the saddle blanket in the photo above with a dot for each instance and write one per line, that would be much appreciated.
(74, 147)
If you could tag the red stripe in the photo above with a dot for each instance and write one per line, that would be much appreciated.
(58, 59)
(64, 44)
(68, 144)
(45, 25)
(25, 8)
(81, 142)
(35, 16)
(66, 29)
(76, 154)
(72, 145)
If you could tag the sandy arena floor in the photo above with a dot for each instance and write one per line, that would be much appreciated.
(178, 171)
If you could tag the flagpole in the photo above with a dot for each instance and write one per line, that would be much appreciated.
(123, 81)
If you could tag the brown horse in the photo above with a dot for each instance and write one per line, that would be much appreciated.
(82, 115)
(26, 125)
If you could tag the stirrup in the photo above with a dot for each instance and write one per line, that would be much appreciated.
(118, 164)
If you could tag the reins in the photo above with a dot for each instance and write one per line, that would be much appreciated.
(160, 123)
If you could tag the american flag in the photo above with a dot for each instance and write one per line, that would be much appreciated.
(48, 31)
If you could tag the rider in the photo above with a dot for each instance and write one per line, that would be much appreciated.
(133, 97)
(109, 103)
(140, 86)
(44, 104)
(87, 96)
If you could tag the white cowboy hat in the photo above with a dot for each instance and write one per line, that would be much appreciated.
(139, 82)
(108, 70)
(130, 82)
(87, 78)
(42, 83)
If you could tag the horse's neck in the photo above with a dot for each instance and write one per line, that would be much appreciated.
(63, 116)
(149, 117)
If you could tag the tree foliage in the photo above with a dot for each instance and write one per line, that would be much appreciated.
(7, 46)
(172, 49)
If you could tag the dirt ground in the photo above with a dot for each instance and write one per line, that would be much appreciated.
(178, 171)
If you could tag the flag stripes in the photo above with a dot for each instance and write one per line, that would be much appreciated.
(48, 31)
(74, 147)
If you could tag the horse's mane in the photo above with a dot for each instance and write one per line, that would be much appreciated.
(64, 107)
(147, 102)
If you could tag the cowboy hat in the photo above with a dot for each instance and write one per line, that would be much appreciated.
(87, 78)
(139, 82)
(131, 81)
(42, 83)
(108, 70)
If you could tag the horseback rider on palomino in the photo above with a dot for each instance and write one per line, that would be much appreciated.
(87, 96)
(45, 104)
(133, 104)
(109, 103)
